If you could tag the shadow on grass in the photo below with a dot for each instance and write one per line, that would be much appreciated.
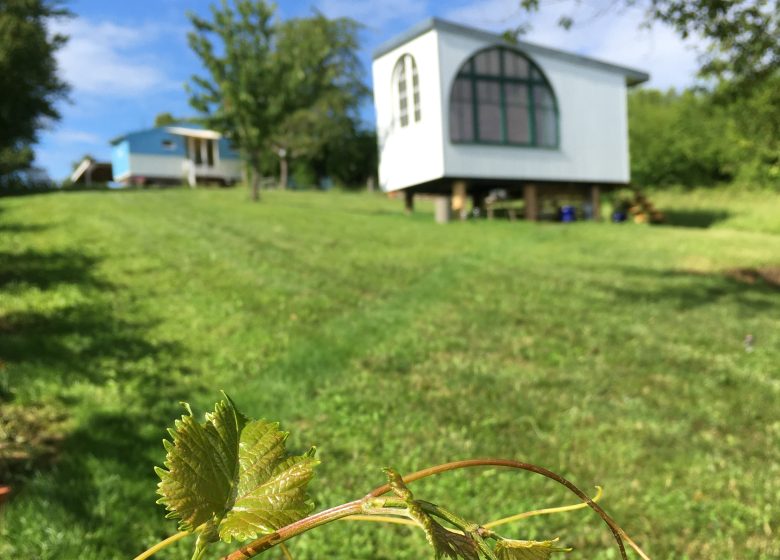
(22, 228)
(82, 343)
(695, 218)
(45, 270)
(754, 289)
(97, 358)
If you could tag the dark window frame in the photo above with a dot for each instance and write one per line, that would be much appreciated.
(535, 78)
(407, 89)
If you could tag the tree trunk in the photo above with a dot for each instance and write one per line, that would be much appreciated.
(283, 173)
(255, 174)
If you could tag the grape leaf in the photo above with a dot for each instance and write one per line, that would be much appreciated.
(445, 543)
(202, 466)
(448, 544)
(272, 486)
(231, 477)
(507, 549)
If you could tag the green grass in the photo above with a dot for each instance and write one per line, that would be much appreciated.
(721, 208)
(610, 353)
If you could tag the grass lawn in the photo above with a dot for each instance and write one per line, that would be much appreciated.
(610, 353)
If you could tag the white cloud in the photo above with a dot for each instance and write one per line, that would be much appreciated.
(70, 137)
(105, 59)
(377, 13)
(614, 35)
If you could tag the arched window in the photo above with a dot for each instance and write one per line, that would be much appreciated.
(501, 97)
(405, 71)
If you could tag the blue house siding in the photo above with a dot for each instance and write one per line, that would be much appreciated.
(158, 142)
(120, 158)
(161, 154)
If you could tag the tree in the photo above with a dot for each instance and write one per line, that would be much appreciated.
(29, 85)
(164, 119)
(681, 139)
(285, 87)
(320, 78)
(240, 95)
(743, 33)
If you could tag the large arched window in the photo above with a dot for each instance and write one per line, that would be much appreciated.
(405, 75)
(501, 97)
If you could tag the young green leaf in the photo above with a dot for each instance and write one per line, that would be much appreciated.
(231, 477)
(507, 549)
(272, 486)
(448, 544)
(445, 543)
(202, 466)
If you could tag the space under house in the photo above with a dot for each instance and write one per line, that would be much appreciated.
(174, 154)
(462, 113)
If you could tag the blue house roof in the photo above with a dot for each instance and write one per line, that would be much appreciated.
(180, 125)
(170, 141)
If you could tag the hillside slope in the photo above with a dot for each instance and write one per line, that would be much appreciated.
(610, 353)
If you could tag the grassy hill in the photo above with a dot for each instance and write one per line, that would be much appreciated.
(610, 353)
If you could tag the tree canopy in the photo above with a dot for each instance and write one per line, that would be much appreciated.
(283, 87)
(29, 85)
(743, 34)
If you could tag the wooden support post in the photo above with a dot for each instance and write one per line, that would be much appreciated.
(408, 201)
(478, 203)
(531, 200)
(442, 209)
(595, 201)
(459, 199)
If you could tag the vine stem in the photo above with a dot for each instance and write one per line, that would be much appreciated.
(293, 529)
(162, 544)
(285, 552)
(399, 520)
(617, 532)
(356, 507)
(545, 511)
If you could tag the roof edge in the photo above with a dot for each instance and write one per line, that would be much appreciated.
(633, 76)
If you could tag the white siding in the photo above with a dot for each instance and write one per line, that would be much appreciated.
(592, 119)
(172, 167)
(412, 154)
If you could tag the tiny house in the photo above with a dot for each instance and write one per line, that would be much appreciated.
(174, 154)
(463, 113)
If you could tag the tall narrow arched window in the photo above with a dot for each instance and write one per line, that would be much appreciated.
(500, 96)
(406, 90)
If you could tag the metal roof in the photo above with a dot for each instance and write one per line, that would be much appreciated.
(194, 132)
(181, 129)
(633, 76)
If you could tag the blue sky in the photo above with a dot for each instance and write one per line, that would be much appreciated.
(128, 61)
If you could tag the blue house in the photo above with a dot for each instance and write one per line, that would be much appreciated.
(172, 154)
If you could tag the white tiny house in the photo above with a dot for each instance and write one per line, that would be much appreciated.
(461, 112)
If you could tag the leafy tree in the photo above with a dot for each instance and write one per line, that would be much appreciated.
(29, 85)
(286, 87)
(240, 96)
(756, 115)
(320, 78)
(165, 119)
(353, 158)
(743, 33)
(681, 138)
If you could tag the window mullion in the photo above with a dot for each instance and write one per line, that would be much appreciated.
(475, 108)
(502, 98)
(532, 113)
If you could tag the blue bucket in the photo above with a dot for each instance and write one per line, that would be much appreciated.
(567, 214)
